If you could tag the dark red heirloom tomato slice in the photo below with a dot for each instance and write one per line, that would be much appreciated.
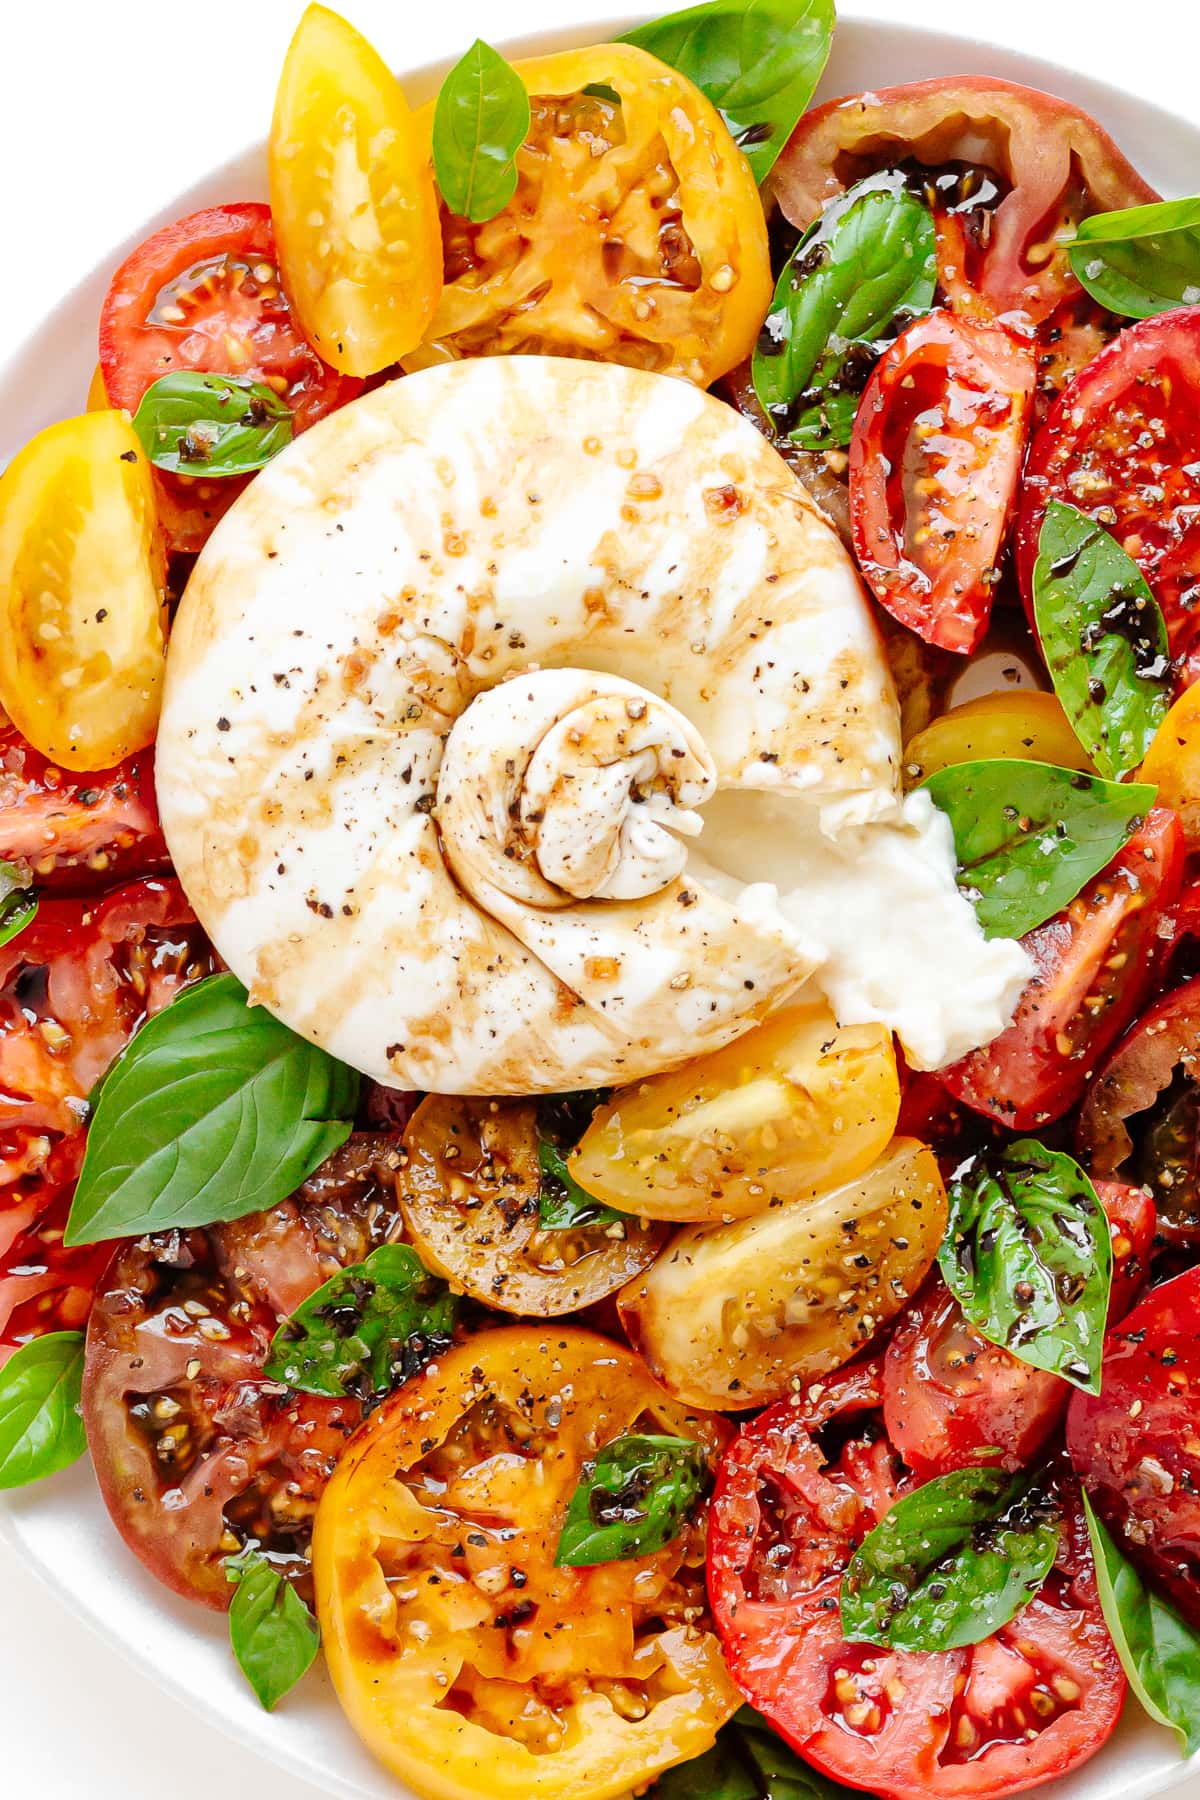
(196, 1453)
(1094, 964)
(77, 831)
(1032, 1701)
(934, 460)
(951, 1398)
(1136, 1444)
(1123, 444)
(204, 293)
(1046, 163)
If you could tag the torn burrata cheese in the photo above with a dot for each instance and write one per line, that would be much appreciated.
(526, 728)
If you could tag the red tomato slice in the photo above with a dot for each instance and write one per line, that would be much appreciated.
(204, 293)
(197, 1455)
(1136, 1444)
(1033, 1701)
(950, 1397)
(934, 462)
(1123, 444)
(1094, 964)
(77, 831)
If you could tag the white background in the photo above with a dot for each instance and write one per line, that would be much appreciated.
(107, 109)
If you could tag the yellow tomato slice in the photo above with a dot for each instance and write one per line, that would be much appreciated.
(1023, 723)
(352, 199)
(1173, 763)
(472, 1666)
(732, 1315)
(82, 591)
(797, 1104)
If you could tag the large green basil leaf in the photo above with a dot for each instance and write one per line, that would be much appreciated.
(18, 903)
(1103, 637)
(1028, 1256)
(213, 1110)
(1028, 835)
(1143, 260)
(1159, 1651)
(367, 1329)
(41, 1430)
(211, 425)
(864, 270)
(632, 1498)
(271, 1632)
(479, 123)
(758, 61)
(747, 1762)
(951, 1562)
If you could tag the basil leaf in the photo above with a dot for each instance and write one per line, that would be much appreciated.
(271, 1632)
(747, 1762)
(367, 1329)
(211, 425)
(758, 61)
(562, 1204)
(1103, 637)
(1159, 1651)
(41, 1430)
(1143, 260)
(479, 123)
(212, 1111)
(18, 903)
(1028, 1256)
(1029, 835)
(951, 1562)
(856, 278)
(631, 1500)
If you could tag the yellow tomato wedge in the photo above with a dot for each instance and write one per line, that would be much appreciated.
(731, 1315)
(1173, 763)
(1023, 723)
(797, 1104)
(97, 394)
(352, 199)
(83, 633)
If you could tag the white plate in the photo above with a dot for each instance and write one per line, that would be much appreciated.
(61, 1529)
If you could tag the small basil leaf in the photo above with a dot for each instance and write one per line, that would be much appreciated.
(367, 1329)
(1103, 637)
(479, 123)
(631, 1500)
(18, 903)
(951, 1562)
(1028, 1256)
(1159, 1651)
(41, 1430)
(562, 1204)
(864, 270)
(271, 1632)
(758, 61)
(1029, 835)
(213, 1110)
(211, 425)
(747, 1762)
(1143, 260)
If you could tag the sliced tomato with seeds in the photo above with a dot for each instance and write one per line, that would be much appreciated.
(77, 831)
(1094, 963)
(43, 1286)
(204, 293)
(934, 460)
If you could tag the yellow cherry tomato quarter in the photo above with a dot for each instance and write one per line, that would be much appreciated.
(1173, 763)
(1025, 724)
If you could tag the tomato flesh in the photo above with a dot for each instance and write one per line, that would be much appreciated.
(77, 831)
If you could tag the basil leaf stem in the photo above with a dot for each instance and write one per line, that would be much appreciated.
(212, 425)
(632, 1498)
(273, 1635)
(480, 121)
(1141, 260)
(758, 61)
(41, 1430)
(1029, 835)
(1028, 1256)
(18, 903)
(952, 1562)
(1103, 637)
(213, 1110)
(367, 1329)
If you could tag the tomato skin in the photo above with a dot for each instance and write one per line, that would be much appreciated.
(946, 404)
(1123, 444)
(1135, 1445)
(77, 831)
(1025, 1078)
